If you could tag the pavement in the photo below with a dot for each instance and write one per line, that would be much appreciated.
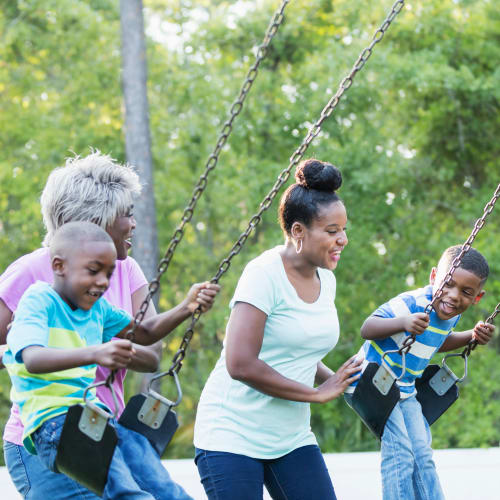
(466, 474)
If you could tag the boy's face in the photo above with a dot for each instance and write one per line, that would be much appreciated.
(81, 275)
(463, 290)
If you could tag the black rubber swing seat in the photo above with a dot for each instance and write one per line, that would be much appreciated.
(152, 418)
(431, 393)
(83, 458)
(372, 406)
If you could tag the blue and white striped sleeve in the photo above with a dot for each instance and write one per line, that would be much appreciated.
(402, 305)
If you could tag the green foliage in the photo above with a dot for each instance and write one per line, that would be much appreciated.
(414, 137)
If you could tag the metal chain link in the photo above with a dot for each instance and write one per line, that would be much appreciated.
(227, 128)
(493, 315)
(285, 174)
(406, 345)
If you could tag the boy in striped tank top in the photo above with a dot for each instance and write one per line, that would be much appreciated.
(408, 470)
(62, 331)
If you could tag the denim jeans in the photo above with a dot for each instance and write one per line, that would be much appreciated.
(35, 482)
(135, 473)
(408, 470)
(299, 475)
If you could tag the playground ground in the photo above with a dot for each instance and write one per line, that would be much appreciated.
(471, 474)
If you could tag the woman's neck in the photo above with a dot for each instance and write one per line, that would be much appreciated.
(296, 263)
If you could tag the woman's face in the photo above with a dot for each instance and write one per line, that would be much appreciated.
(121, 233)
(325, 238)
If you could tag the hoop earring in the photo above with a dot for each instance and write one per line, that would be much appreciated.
(298, 248)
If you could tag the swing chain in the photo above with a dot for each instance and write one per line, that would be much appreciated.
(227, 128)
(406, 345)
(465, 247)
(311, 135)
(493, 315)
(344, 85)
(235, 110)
(285, 174)
(225, 132)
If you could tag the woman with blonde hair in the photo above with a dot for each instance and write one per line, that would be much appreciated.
(97, 189)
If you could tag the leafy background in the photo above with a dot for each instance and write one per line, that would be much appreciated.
(415, 137)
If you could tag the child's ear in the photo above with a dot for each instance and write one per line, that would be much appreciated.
(479, 296)
(58, 265)
(432, 277)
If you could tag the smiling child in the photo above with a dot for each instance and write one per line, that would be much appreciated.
(408, 470)
(62, 331)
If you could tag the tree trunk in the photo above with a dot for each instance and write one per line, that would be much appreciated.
(138, 141)
(137, 134)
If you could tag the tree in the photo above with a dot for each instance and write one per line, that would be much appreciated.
(414, 137)
(138, 139)
(137, 135)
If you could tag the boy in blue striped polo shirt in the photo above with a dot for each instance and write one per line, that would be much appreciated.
(59, 335)
(408, 470)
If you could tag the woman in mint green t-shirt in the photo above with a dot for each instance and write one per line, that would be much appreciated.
(253, 422)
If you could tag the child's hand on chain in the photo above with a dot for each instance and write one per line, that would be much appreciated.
(115, 354)
(483, 332)
(416, 323)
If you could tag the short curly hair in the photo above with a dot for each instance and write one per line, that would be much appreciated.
(472, 261)
(95, 188)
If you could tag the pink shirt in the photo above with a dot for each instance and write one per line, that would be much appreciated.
(127, 279)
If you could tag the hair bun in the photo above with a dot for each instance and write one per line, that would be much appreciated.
(318, 175)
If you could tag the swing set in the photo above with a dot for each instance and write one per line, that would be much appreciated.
(88, 439)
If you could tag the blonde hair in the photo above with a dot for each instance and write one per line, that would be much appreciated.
(95, 189)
